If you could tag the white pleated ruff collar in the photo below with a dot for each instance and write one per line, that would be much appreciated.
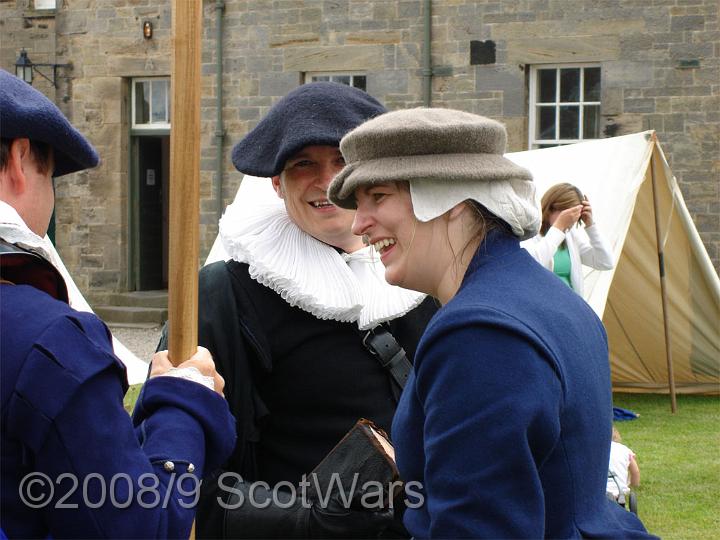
(345, 287)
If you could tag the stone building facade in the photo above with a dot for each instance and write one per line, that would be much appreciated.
(658, 60)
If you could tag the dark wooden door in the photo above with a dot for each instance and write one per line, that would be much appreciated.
(150, 215)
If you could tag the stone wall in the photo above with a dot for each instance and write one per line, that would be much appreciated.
(23, 27)
(660, 63)
(645, 48)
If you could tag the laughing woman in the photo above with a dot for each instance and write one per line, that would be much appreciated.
(506, 418)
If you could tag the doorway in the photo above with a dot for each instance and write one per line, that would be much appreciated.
(151, 155)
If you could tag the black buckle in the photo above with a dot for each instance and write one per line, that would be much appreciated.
(392, 357)
(381, 343)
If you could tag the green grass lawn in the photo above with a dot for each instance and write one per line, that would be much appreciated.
(131, 397)
(679, 458)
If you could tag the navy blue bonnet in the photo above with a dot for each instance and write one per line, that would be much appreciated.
(27, 113)
(313, 114)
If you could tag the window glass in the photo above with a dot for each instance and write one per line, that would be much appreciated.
(159, 102)
(546, 85)
(45, 4)
(569, 122)
(592, 84)
(569, 85)
(591, 122)
(357, 81)
(342, 79)
(546, 123)
(142, 102)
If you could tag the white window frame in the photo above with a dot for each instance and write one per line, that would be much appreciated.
(533, 105)
(150, 125)
(45, 4)
(352, 74)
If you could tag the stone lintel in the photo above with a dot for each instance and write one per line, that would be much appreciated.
(348, 58)
(563, 50)
(138, 66)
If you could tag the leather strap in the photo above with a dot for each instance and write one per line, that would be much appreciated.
(392, 357)
(23, 267)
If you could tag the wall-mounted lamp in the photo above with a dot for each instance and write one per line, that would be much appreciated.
(24, 69)
(147, 29)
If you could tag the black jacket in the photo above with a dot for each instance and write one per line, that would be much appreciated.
(295, 383)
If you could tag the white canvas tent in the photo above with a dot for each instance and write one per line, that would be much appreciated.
(630, 185)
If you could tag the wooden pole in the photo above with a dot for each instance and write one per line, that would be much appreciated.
(663, 290)
(184, 180)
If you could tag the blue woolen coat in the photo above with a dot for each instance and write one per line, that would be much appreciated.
(63, 420)
(506, 419)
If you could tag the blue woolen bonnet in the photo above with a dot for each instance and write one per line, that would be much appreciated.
(318, 113)
(27, 113)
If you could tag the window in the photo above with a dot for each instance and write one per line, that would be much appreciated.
(564, 104)
(357, 80)
(151, 103)
(45, 4)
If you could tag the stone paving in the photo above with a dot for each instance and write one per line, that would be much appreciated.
(141, 341)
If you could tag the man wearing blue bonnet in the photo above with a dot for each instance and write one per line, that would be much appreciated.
(293, 318)
(72, 463)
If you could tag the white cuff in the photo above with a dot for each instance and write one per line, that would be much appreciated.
(191, 374)
(592, 231)
(557, 235)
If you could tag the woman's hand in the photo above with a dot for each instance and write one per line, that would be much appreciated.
(201, 360)
(586, 214)
(568, 218)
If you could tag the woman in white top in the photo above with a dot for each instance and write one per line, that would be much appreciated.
(623, 471)
(561, 247)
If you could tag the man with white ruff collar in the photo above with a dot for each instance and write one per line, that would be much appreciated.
(298, 320)
(63, 421)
